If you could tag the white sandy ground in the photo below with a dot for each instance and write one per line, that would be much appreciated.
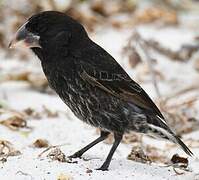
(68, 130)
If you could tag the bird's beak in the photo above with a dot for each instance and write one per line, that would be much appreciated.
(24, 38)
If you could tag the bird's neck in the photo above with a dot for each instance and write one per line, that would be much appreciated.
(43, 54)
(39, 53)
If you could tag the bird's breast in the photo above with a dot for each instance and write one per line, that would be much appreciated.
(70, 87)
(88, 103)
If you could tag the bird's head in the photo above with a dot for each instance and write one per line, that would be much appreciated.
(46, 30)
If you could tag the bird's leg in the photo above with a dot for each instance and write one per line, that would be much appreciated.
(105, 165)
(102, 137)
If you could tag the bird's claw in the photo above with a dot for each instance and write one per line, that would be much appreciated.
(76, 155)
(102, 168)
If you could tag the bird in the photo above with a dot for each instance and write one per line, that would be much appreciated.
(91, 82)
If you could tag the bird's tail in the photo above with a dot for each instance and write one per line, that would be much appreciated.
(158, 127)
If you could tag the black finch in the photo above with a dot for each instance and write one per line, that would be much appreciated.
(90, 81)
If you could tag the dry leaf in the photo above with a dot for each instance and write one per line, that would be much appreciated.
(45, 112)
(57, 154)
(14, 122)
(28, 111)
(19, 76)
(41, 143)
(134, 58)
(179, 161)
(98, 7)
(138, 155)
(152, 14)
(109, 8)
(6, 150)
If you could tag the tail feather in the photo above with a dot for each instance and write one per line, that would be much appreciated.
(183, 146)
(158, 127)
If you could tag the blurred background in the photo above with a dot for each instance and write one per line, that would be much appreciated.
(156, 42)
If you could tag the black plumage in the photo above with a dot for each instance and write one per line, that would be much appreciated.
(93, 85)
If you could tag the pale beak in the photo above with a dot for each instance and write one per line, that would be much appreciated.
(24, 38)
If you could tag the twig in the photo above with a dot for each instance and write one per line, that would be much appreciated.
(187, 102)
(177, 173)
(25, 174)
(183, 54)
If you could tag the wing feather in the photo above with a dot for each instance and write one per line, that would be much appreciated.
(100, 69)
(124, 90)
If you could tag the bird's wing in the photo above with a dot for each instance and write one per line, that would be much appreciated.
(109, 76)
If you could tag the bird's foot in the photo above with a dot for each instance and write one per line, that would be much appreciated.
(76, 155)
(103, 168)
